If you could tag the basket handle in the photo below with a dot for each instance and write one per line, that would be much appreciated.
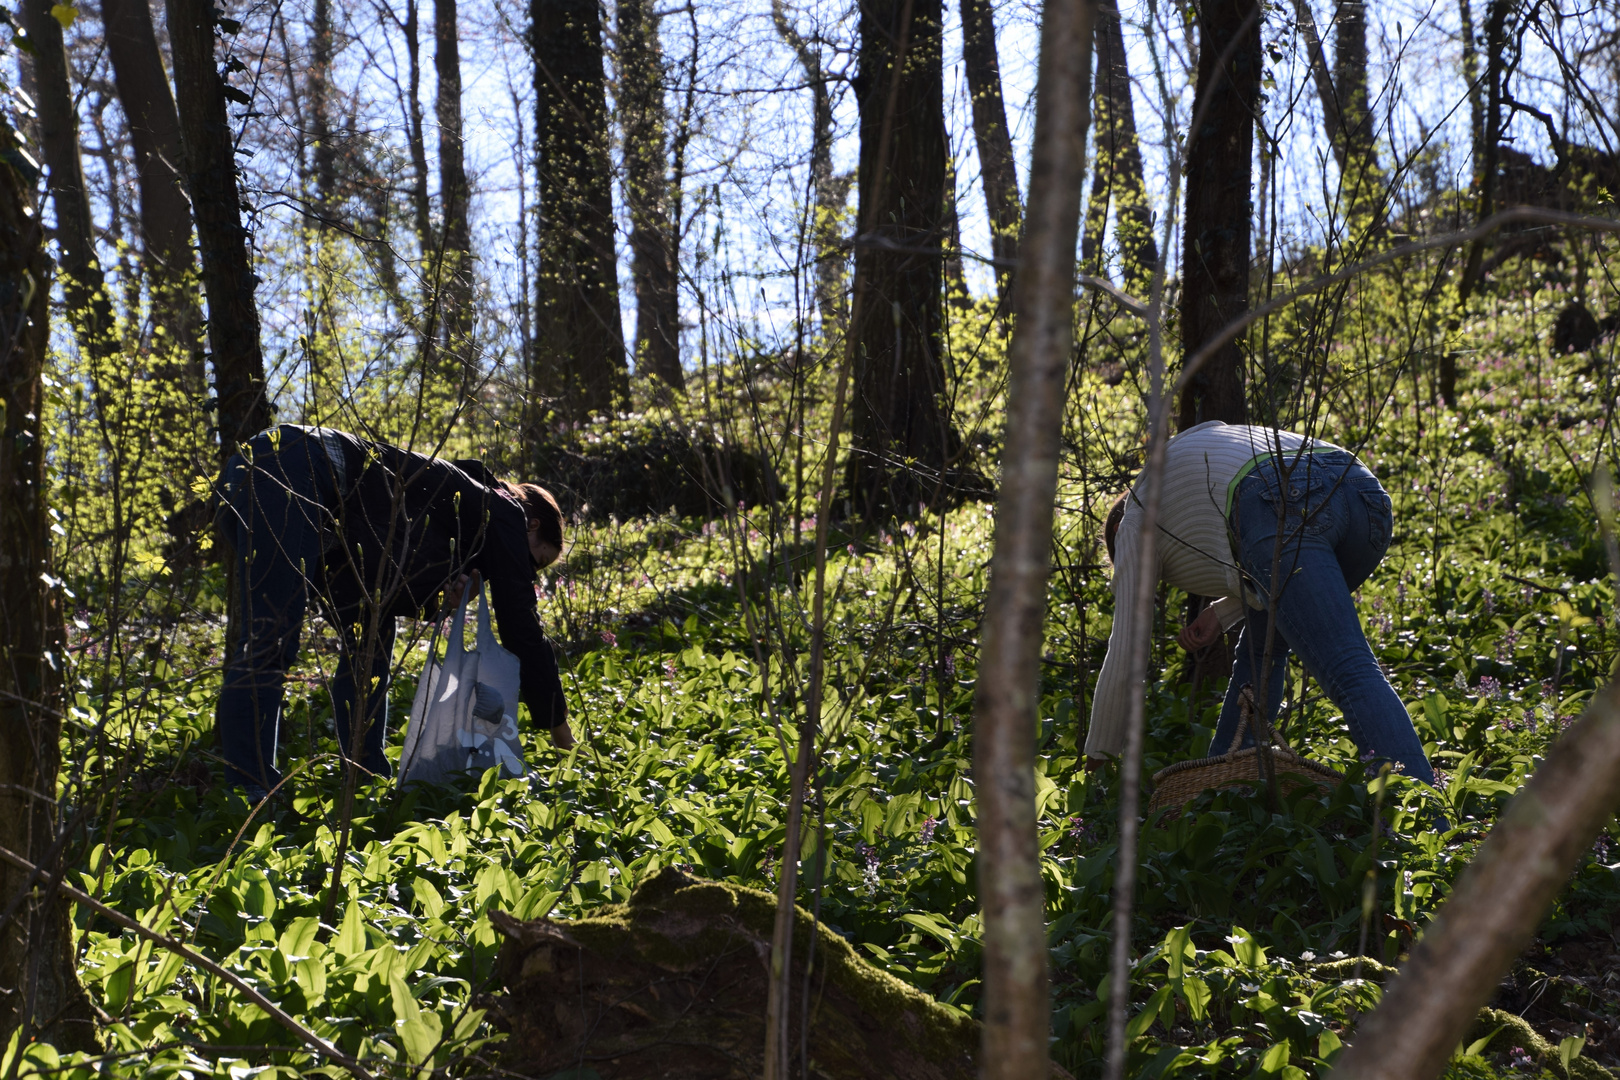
(1245, 713)
(1248, 714)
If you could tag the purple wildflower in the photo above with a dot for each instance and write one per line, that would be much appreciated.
(928, 826)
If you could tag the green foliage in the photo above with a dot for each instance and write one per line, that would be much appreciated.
(686, 658)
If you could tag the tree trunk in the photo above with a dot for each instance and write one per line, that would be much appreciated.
(901, 438)
(89, 309)
(1359, 160)
(1492, 915)
(165, 213)
(227, 272)
(455, 277)
(645, 125)
(994, 139)
(1484, 163)
(956, 288)
(579, 366)
(1117, 174)
(1215, 256)
(1476, 99)
(1322, 76)
(831, 191)
(320, 108)
(1017, 1016)
(36, 945)
(421, 209)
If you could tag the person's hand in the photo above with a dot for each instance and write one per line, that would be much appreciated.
(1095, 763)
(563, 736)
(1202, 632)
(458, 588)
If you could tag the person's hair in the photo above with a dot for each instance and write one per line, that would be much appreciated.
(540, 507)
(1116, 514)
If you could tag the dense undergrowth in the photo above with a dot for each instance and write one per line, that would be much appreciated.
(1494, 615)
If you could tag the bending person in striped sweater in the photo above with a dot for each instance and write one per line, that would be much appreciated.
(1244, 507)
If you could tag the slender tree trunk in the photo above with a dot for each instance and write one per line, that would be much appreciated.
(227, 272)
(421, 208)
(89, 308)
(165, 212)
(1359, 159)
(645, 124)
(1476, 96)
(1492, 915)
(320, 108)
(1220, 156)
(1117, 174)
(1485, 160)
(994, 139)
(1322, 76)
(955, 278)
(43, 996)
(1017, 1015)
(579, 367)
(455, 279)
(901, 438)
(426, 318)
(831, 190)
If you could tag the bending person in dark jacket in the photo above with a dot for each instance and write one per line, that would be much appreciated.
(377, 532)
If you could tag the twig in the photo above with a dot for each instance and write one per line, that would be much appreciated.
(312, 1040)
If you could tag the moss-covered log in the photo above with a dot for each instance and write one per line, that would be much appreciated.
(673, 985)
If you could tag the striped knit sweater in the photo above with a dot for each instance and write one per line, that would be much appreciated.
(1194, 553)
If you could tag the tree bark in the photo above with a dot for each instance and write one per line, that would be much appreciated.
(227, 272)
(901, 437)
(83, 285)
(1322, 77)
(43, 996)
(421, 208)
(1017, 1016)
(165, 213)
(1470, 67)
(1359, 160)
(1492, 915)
(1118, 172)
(320, 108)
(579, 365)
(645, 124)
(1485, 158)
(1216, 251)
(455, 263)
(994, 139)
(831, 190)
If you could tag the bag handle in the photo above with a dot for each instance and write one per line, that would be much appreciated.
(458, 630)
(485, 635)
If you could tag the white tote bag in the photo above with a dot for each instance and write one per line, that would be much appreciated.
(464, 717)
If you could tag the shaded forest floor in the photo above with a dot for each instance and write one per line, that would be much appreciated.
(1494, 615)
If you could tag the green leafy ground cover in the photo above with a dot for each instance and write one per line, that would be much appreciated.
(1493, 614)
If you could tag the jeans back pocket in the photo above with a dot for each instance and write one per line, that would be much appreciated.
(1380, 515)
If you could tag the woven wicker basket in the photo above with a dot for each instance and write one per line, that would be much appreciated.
(1177, 785)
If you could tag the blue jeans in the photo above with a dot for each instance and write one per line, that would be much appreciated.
(1333, 521)
(276, 509)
